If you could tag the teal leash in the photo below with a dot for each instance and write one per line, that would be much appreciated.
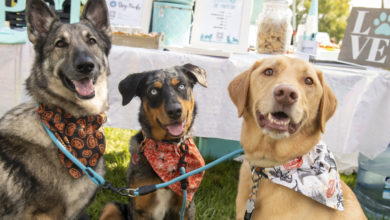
(143, 190)
(183, 205)
(95, 177)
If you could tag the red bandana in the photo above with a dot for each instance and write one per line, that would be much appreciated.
(80, 136)
(164, 159)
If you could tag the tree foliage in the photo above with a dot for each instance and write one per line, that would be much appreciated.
(333, 16)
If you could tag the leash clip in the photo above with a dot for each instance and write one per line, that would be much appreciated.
(123, 191)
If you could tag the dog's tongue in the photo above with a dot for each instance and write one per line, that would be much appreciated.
(84, 86)
(176, 129)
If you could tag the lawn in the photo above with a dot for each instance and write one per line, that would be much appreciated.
(214, 198)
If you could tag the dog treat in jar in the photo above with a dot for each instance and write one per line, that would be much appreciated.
(274, 27)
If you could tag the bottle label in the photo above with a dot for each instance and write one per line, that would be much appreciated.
(386, 191)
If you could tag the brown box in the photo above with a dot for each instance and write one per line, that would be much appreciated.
(151, 41)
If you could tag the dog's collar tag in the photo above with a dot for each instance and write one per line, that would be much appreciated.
(250, 206)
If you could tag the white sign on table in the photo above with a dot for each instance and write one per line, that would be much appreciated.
(131, 13)
(221, 24)
(224, 27)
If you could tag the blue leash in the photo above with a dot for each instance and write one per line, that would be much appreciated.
(183, 205)
(143, 190)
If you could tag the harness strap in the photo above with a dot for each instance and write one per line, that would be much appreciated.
(182, 163)
(184, 151)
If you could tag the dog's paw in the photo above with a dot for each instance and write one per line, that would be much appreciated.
(114, 211)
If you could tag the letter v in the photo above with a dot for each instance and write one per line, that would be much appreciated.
(356, 50)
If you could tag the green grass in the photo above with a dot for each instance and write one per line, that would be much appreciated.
(117, 158)
(350, 180)
(215, 198)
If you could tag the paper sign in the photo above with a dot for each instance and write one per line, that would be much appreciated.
(223, 21)
(367, 37)
(308, 47)
(125, 12)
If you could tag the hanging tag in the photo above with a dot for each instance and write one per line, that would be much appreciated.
(250, 206)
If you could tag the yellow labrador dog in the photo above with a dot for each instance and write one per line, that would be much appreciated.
(285, 104)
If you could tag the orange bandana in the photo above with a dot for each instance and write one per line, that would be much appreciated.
(164, 159)
(80, 136)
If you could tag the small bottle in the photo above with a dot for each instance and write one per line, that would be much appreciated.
(373, 185)
(274, 27)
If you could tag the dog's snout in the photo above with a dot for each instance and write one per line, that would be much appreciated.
(285, 94)
(174, 110)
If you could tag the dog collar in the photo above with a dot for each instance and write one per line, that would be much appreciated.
(314, 175)
(80, 136)
(164, 159)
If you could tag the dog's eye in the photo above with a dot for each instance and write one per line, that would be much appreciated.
(181, 87)
(153, 92)
(92, 40)
(268, 72)
(61, 44)
(309, 81)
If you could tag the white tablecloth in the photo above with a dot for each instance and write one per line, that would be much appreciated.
(361, 122)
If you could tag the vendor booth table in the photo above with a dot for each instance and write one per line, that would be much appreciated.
(361, 122)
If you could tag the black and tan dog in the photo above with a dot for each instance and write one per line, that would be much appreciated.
(166, 116)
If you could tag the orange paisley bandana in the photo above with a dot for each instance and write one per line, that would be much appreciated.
(164, 159)
(80, 136)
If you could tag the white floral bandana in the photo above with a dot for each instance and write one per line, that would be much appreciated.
(314, 175)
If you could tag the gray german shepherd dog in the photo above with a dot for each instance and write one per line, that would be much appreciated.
(70, 71)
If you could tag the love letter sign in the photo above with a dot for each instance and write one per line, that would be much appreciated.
(367, 37)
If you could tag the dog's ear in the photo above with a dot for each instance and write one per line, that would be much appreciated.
(195, 73)
(238, 91)
(39, 18)
(96, 12)
(239, 88)
(129, 87)
(328, 103)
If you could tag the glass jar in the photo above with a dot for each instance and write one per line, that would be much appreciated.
(274, 27)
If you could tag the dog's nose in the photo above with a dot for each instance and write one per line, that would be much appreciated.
(285, 94)
(84, 63)
(85, 67)
(174, 110)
